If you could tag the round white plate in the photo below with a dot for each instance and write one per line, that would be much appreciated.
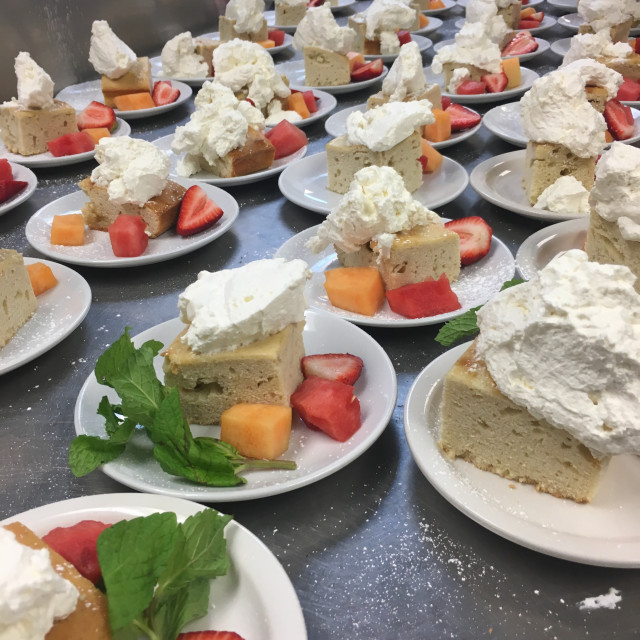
(80, 95)
(336, 125)
(569, 5)
(448, 4)
(531, 3)
(294, 70)
(544, 245)
(97, 252)
(499, 180)
(215, 35)
(573, 21)
(47, 159)
(603, 533)
(25, 175)
(504, 121)
(477, 282)
(528, 78)
(434, 25)
(255, 599)
(305, 184)
(543, 45)
(561, 47)
(316, 454)
(546, 23)
(325, 104)
(277, 166)
(422, 42)
(342, 4)
(60, 310)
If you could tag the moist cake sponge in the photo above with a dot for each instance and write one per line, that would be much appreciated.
(325, 68)
(17, 301)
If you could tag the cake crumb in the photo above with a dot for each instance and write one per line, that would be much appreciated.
(605, 601)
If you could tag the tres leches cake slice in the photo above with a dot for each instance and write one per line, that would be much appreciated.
(290, 12)
(615, 15)
(243, 340)
(243, 19)
(498, 21)
(17, 300)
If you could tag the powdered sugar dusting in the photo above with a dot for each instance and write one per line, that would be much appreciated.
(605, 601)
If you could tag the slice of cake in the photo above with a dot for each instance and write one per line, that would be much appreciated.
(181, 59)
(205, 48)
(137, 80)
(509, 11)
(228, 29)
(243, 19)
(290, 12)
(498, 22)
(615, 15)
(17, 301)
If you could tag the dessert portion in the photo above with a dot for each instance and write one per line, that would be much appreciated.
(243, 339)
(182, 58)
(32, 120)
(17, 301)
(565, 195)
(290, 12)
(615, 15)
(243, 19)
(549, 391)
(9, 186)
(485, 12)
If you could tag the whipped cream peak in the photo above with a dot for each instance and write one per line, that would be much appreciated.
(180, 59)
(35, 86)
(406, 76)
(234, 307)
(248, 15)
(109, 55)
(319, 28)
(387, 15)
(596, 45)
(566, 345)
(132, 170)
(603, 14)
(565, 195)
(485, 12)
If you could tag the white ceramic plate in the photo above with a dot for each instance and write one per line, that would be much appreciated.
(60, 310)
(434, 25)
(603, 533)
(277, 166)
(531, 3)
(574, 21)
(316, 455)
(342, 4)
(305, 184)
(477, 282)
(561, 47)
(543, 45)
(546, 23)
(47, 159)
(528, 78)
(97, 252)
(504, 121)
(255, 599)
(422, 42)
(569, 5)
(80, 95)
(294, 70)
(544, 245)
(448, 4)
(25, 175)
(499, 180)
(336, 125)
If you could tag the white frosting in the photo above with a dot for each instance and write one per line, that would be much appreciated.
(230, 308)
(459, 75)
(472, 46)
(35, 86)
(32, 595)
(246, 66)
(376, 207)
(486, 13)
(387, 15)
(555, 109)
(180, 60)
(595, 45)
(107, 53)
(603, 14)
(565, 195)
(132, 170)
(319, 28)
(278, 114)
(389, 42)
(385, 126)
(616, 192)
(248, 14)
(406, 76)
(566, 345)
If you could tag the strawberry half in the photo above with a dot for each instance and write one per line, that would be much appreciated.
(367, 71)
(619, 120)
(523, 42)
(197, 212)
(209, 635)
(496, 82)
(475, 238)
(462, 118)
(528, 24)
(342, 367)
(96, 116)
(9, 188)
(471, 88)
(164, 93)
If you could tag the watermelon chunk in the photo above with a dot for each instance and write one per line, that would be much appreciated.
(286, 138)
(310, 100)
(277, 35)
(629, 90)
(9, 188)
(70, 144)
(424, 299)
(128, 237)
(6, 173)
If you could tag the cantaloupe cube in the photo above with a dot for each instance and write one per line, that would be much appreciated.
(436, 4)
(357, 289)
(434, 157)
(607, 136)
(68, 230)
(511, 68)
(297, 104)
(525, 13)
(257, 430)
(98, 133)
(134, 101)
(423, 20)
(41, 276)
(440, 130)
(267, 44)
(355, 60)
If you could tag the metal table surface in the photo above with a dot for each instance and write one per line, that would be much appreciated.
(373, 551)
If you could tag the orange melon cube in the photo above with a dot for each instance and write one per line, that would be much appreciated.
(436, 4)
(357, 289)
(607, 136)
(525, 13)
(267, 44)
(434, 157)
(355, 60)
(134, 101)
(98, 133)
(511, 68)
(423, 20)
(41, 276)
(297, 104)
(440, 130)
(257, 430)
(68, 230)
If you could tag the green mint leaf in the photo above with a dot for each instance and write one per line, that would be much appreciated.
(118, 430)
(87, 453)
(511, 283)
(109, 363)
(461, 327)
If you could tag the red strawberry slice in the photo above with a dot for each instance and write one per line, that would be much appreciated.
(462, 118)
(528, 24)
(164, 93)
(9, 188)
(496, 82)
(617, 119)
(70, 144)
(538, 17)
(329, 406)
(471, 87)
(423, 299)
(197, 212)
(6, 173)
(310, 101)
(342, 367)
(475, 238)
(523, 42)
(209, 635)
(404, 36)
(315, 3)
(445, 102)
(367, 71)
(629, 90)
(277, 35)
(95, 116)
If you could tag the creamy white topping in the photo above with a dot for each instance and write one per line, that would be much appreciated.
(565, 195)
(596, 45)
(486, 13)
(248, 14)
(35, 86)
(319, 28)
(107, 53)
(406, 76)
(230, 308)
(603, 14)
(278, 114)
(387, 15)
(459, 75)
(180, 60)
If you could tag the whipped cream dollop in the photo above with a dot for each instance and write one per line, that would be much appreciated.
(230, 308)
(35, 86)
(319, 28)
(565, 195)
(132, 170)
(603, 14)
(485, 12)
(383, 127)
(248, 14)
(218, 125)
(32, 595)
(107, 53)
(566, 345)
(556, 109)
(180, 59)
(596, 45)
(386, 15)
(406, 76)
(277, 114)
(616, 193)
(376, 207)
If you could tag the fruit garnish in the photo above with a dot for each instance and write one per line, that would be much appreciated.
(528, 24)
(367, 71)
(619, 120)
(523, 42)
(446, 101)
(9, 188)
(197, 212)
(496, 82)
(286, 138)
(310, 100)
(95, 116)
(277, 35)
(475, 238)
(164, 93)
(6, 172)
(423, 299)
(538, 16)
(209, 635)
(356, 60)
(127, 236)
(41, 277)
(404, 36)
(462, 118)
(342, 367)
(471, 87)
(629, 90)
(70, 144)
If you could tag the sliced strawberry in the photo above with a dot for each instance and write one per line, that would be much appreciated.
(367, 71)
(496, 82)
(315, 3)
(462, 118)
(164, 93)
(423, 299)
(209, 635)
(70, 144)
(310, 101)
(528, 24)
(197, 212)
(538, 17)
(445, 102)
(617, 119)
(404, 36)
(523, 42)
(9, 188)
(6, 173)
(471, 87)
(342, 367)
(277, 35)
(629, 90)
(96, 116)
(475, 238)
